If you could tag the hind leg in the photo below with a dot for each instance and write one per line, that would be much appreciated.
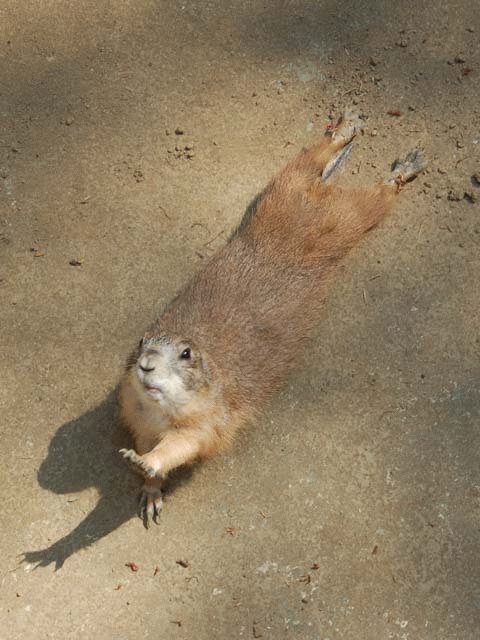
(371, 205)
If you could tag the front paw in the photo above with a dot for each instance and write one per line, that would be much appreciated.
(138, 463)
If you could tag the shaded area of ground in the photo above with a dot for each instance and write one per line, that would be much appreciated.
(352, 508)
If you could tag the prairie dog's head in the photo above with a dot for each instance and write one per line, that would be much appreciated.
(168, 370)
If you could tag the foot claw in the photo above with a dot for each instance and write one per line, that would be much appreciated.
(137, 463)
(336, 162)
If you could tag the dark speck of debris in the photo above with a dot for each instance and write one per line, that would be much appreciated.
(69, 121)
(305, 578)
(395, 112)
(470, 196)
(177, 622)
(459, 59)
(183, 563)
(179, 131)
(315, 566)
(76, 263)
(138, 175)
(375, 550)
(132, 565)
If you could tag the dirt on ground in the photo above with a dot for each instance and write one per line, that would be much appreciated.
(133, 136)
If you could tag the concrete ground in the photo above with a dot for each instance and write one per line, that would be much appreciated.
(351, 509)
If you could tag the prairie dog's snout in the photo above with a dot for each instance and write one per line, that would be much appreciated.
(153, 372)
(151, 361)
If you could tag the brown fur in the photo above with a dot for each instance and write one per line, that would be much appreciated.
(251, 308)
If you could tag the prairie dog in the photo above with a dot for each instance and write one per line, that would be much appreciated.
(226, 342)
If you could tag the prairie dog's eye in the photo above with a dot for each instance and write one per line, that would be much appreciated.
(186, 354)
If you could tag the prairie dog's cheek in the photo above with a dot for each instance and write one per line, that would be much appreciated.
(175, 387)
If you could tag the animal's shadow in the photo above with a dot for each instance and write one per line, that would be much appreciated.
(82, 454)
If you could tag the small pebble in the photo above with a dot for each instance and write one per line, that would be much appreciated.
(454, 195)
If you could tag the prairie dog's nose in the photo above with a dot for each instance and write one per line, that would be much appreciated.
(146, 363)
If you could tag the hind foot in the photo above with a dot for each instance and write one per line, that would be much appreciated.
(341, 136)
(150, 502)
(347, 128)
(405, 170)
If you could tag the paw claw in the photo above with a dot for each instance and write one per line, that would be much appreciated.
(150, 504)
